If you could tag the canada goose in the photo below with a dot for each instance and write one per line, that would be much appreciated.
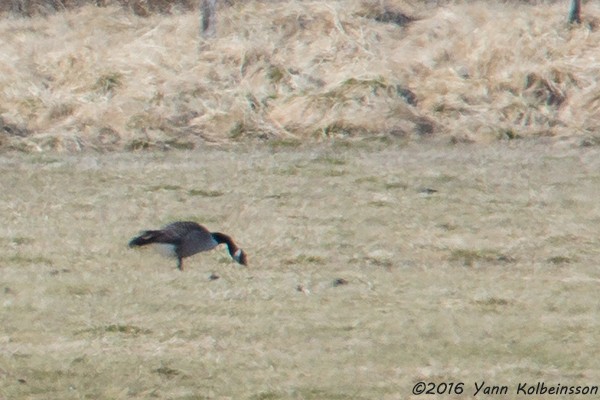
(185, 238)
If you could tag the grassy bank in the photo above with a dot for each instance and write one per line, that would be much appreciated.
(105, 78)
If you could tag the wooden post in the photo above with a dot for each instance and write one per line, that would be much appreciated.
(18, 7)
(575, 12)
(208, 8)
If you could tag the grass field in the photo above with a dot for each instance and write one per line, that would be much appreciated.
(333, 145)
(372, 267)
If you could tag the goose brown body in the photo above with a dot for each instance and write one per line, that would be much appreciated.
(185, 238)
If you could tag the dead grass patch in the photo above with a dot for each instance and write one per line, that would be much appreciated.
(290, 72)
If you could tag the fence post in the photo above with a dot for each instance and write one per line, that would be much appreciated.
(208, 8)
(575, 12)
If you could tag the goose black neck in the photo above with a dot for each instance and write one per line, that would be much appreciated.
(223, 238)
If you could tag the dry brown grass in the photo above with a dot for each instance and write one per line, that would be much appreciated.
(491, 277)
(104, 78)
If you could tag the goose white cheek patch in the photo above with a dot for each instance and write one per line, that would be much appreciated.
(237, 254)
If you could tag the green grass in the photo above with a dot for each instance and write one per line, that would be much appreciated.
(359, 285)
(469, 258)
(109, 82)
